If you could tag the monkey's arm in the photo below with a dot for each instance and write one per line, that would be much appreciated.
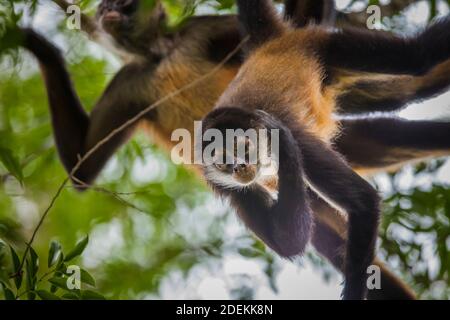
(329, 239)
(364, 93)
(75, 131)
(371, 144)
(285, 225)
(381, 52)
(330, 177)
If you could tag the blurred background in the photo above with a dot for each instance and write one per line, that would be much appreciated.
(160, 233)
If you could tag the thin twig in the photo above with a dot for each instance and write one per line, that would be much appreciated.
(116, 195)
(127, 203)
(41, 220)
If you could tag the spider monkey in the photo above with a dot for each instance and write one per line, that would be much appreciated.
(286, 83)
(202, 43)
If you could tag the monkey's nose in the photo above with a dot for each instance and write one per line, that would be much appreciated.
(239, 167)
(112, 16)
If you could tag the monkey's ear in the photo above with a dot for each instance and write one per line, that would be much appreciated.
(260, 21)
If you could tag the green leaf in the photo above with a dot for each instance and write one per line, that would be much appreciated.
(249, 252)
(2, 253)
(78, 250)
(45, 295)
(225, 4)
(34, 262)
(59, 283)
(2, 246)
(60, 265)
(15, 259)
(9, 295)
(32, 266)
(31, 295)
(87, 278)
(62, 284)
(54, 253)
(11, 37)
(70, 296)
(30, 280)
(11, 163)
(16, 265)
(53, 288)
(91, 295)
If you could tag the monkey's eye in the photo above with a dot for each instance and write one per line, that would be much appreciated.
(245, 149)
(224, 167)
(129, 7)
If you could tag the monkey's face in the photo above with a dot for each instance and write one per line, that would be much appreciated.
(128, 21)
(113, 14)
(231, 169)
(118, 16)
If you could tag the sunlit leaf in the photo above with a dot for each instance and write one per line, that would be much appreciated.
(78, 250)
(59, 282)
(54, 253)
(249, 252)
(87, 278)
(34, 259)
(11, 163)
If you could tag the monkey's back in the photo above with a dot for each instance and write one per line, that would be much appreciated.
(289, 81)
(191, 77)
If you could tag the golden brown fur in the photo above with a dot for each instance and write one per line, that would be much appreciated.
(301, 86)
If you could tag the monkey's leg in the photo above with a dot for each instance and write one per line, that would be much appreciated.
(305, 12)
(381, 52)
(330, 177)
(75, 132)
(371, 144)
(329, 239)
(384, 143)
(370, 93)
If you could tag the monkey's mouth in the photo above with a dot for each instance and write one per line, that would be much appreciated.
(112, 18)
